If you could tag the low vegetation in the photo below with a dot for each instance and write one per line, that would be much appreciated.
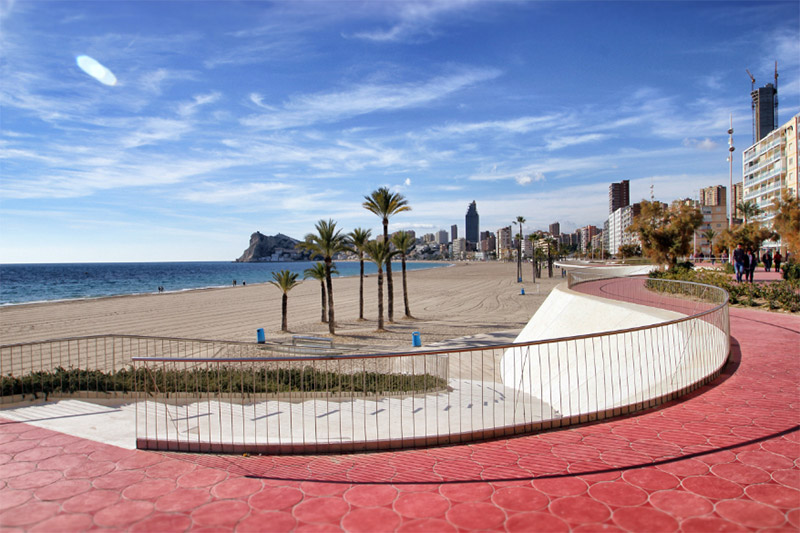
(776, 295)
(222, 380)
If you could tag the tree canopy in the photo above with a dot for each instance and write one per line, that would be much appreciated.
(666, 232)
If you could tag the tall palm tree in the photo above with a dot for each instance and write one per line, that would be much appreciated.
(404, 243)
(327, 242)
(551, 242)
(358, 238)
(520, 221)
(285, 280)
(385, 203)
(379, 253)
(749, 209)
(532, 237)
(317, 272)
(709, 235)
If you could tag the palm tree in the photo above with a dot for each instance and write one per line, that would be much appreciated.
(285, 280)
(749, 209)
(327, 242)
(317, 272)
(520, 221)
(709, 235)
(404, 243)
(358, 238)
(532, 237)
(379, 253)
(550, 242)
(385, 203)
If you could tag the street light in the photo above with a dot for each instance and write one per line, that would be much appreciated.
(730, 161)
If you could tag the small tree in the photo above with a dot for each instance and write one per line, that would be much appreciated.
(629, 250)
(285, 280)
(358, 238)
(710, 235)
(379, 253)
(404, 243)
(787, 221)
(317, 272)
(749, 210)
(666, 233)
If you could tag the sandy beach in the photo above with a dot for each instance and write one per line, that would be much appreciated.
(462, 300)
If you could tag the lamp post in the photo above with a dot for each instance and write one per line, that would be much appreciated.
(730, 161)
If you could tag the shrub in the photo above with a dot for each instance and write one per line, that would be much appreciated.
(791, 271)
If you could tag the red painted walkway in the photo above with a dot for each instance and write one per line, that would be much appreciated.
(726, 458)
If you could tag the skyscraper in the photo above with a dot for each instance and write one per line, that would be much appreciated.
(472, 223)
(619, 195)
(764, 110)
(453, 232)
(714, 195)
(555, 229)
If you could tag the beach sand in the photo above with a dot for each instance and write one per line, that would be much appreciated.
(462, 300)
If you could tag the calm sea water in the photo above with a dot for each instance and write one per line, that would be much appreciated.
(24, 283)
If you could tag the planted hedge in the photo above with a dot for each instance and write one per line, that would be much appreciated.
(221, 380)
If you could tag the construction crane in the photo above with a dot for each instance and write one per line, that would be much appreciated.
(777, 123)
(752, 80)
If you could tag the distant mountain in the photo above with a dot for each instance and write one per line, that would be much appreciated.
(278, 247)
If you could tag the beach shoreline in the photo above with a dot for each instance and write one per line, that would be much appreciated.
(467, 298)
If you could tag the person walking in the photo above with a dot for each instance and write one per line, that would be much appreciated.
(752, 262)
(767, 260)
(739, 258)
(777, 258)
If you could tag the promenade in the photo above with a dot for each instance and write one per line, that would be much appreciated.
(726, 457)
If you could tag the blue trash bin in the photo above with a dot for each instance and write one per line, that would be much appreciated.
(415, 340)
(522, 292)
(261, 337)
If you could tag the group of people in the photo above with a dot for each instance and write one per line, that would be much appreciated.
(745, 262)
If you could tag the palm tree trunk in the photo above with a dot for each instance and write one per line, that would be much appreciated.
(324, 316)
(284, 309)
(329, 283)
(361, 289)
(389, 284)
(405, 289)
(380, 298)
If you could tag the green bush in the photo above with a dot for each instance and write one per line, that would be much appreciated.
(224, 380)
(791, 271)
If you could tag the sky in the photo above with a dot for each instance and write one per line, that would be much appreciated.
(171, 131)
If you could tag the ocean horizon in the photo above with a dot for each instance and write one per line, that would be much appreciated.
(25, 283)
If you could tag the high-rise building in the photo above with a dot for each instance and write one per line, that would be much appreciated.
(453, 232)
(441, 237)
(619, 223)
(738, 198)
(764, 110)
(472, 224)
(619, 195)
(555, 229)
(770, 168)
(504, 243)
(714, 195)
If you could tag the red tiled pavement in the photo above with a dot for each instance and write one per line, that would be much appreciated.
(725, 458)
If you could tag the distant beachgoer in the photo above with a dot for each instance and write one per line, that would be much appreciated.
(739, 258)
(244, 283)
(777, 258)
(752, 262)
(234, 283)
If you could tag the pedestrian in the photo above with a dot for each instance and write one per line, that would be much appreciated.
(777, 258)
(713, 258)
(739, 258)
(752, 262)
(724, 256)
(767, 260)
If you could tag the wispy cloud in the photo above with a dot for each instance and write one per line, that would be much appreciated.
(368, 98)
(571, 140)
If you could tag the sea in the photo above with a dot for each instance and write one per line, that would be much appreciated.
(29, 283)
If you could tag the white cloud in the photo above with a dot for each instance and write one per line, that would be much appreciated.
(701, 144)
(235, 193)
(329, 107)
(153, 130)
(562, 142)
(187, 109)
(416, 19)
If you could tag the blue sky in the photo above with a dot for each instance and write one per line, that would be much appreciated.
(232, 117)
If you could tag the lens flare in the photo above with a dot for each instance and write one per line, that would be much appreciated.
(94, 69)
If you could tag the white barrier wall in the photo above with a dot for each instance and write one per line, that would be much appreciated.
(583, 375)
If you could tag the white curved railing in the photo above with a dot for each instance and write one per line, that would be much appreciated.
(225, 397)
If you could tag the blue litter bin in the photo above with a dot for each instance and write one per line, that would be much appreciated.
(522, 292)
(261, 337)
(415, 340)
